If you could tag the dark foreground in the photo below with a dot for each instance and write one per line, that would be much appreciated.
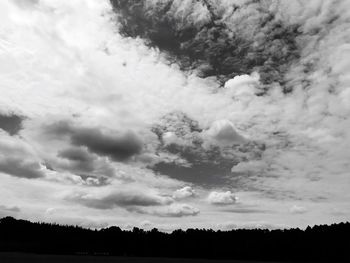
(37, 258)
(319, 243)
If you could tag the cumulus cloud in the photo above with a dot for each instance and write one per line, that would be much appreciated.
(18, 159)
(244, 87)
(120, 199)
(222, 198)
(118, 147)
(177, 128)
(184, 192)
(223, 133)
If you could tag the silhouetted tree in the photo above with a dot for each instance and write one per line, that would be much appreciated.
(318, 243)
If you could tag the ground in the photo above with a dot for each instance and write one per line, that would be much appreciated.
(34, 258)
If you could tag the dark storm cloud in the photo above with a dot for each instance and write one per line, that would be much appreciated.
(12, 123)
(119, 147)
(20, 168)
(122, 199)
(210, 45)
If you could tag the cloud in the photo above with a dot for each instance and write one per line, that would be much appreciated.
(244, 87)
(207, 168)
(130, 198)
(12, 123)
(217, 38)
(76, 154)
(146, 225)
(50, 211)
(117, 147)
(79, 157)
(295, 209)
(275, 72)
(26, 3)
(205, 155)
(178, 210)
(5, 208)
(223, 133)
(173, 210)
(222, 198)
(21, 168)
(184, 192)
(18, 159)
(178, 124)
(254, 166)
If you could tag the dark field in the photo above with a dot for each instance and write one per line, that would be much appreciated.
(34, 258)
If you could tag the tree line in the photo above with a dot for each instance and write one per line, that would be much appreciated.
(317, 243)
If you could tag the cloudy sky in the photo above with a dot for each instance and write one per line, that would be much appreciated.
(175, 114)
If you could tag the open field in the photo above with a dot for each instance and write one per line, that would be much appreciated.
(35, 258)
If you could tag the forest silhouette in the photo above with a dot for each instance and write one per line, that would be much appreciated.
(318, 243)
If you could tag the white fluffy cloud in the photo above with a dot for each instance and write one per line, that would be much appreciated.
(222, 132)
(243, 87)
(222, 198)
(184, 192)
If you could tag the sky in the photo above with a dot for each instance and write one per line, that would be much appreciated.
(175, 114)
